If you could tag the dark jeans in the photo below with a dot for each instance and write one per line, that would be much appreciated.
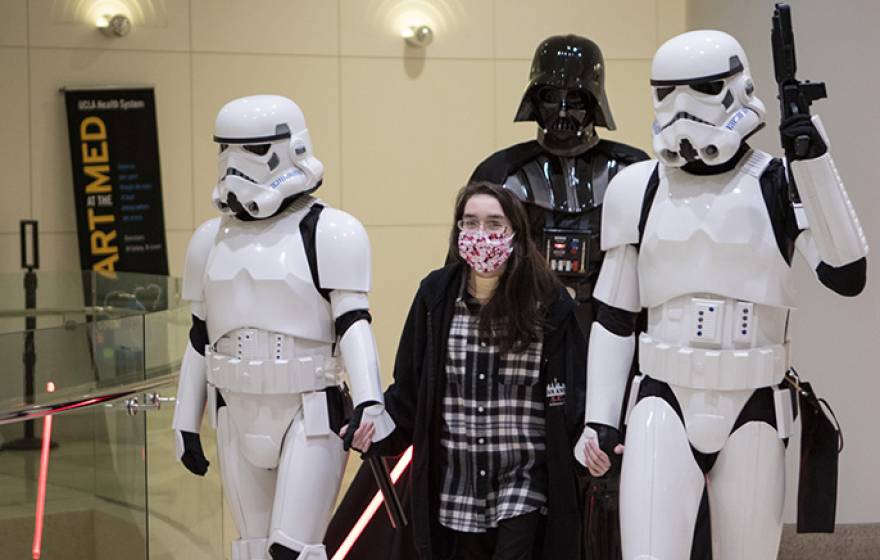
(514, 539)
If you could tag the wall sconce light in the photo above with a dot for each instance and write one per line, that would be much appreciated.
(114, 26)
(419, 36)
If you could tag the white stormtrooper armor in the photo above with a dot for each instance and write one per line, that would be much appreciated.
(709, 256)
(278, 287)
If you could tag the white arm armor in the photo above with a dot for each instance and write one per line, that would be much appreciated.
(361, 359)
(192, 387)
(608, 363)
(191, 392)
(610, 356)
(358, 349)
(832, 220)
(343, 250)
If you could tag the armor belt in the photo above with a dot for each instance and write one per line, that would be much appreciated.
(260, 362)
(725, 370)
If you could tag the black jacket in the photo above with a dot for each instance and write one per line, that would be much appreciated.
(414, 399)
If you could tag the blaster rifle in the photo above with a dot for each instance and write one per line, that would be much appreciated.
(795, 96)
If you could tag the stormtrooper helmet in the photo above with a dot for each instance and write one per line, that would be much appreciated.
(704, 102)
(265, 156)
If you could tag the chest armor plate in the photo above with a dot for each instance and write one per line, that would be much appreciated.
(712, 235)
(563, 197)
(258, 276)
(566, 185)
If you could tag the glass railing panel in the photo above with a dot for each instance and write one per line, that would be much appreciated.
(11, 369)
(56, 294)
(114, 486)
(77, 359)
(185, 511)
(88, 332)
(62, 297)
(95, 505)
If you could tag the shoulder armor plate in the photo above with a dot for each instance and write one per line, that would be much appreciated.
(200, 245)
(623, 204)
(343, 249)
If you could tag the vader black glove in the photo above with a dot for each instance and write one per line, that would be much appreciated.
(193, 457)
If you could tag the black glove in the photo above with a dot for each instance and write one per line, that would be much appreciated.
(609, 438)
(193, 457)
(354, 423)
(801, 138)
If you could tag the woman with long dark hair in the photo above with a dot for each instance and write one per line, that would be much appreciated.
(488, 388)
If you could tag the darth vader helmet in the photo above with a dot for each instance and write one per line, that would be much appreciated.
(566, 93)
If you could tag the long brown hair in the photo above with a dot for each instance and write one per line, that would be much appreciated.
(514, 316)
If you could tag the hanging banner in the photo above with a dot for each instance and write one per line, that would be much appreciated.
(117, 186)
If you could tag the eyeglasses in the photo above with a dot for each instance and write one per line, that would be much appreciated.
(492, 225)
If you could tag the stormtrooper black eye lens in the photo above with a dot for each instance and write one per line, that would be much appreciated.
(662, 92)
(259, 149)
(709, 88)
(223, 147)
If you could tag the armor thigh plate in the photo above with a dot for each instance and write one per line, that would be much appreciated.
(261, 422)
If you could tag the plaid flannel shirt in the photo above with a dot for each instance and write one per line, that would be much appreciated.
(493, 428)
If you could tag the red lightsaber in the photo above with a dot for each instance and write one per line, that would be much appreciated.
(41, 481)
(370, 511)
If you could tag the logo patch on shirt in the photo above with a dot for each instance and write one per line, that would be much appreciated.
(555, 393)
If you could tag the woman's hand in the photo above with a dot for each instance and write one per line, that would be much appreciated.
(363, 436)
(598, 462)
(593, 447)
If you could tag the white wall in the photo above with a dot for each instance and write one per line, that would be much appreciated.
(834, 338)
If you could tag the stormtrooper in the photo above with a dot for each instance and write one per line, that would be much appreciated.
(278, 286)
(704, 240)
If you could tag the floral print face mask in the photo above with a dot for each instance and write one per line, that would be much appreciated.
(485, 252)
